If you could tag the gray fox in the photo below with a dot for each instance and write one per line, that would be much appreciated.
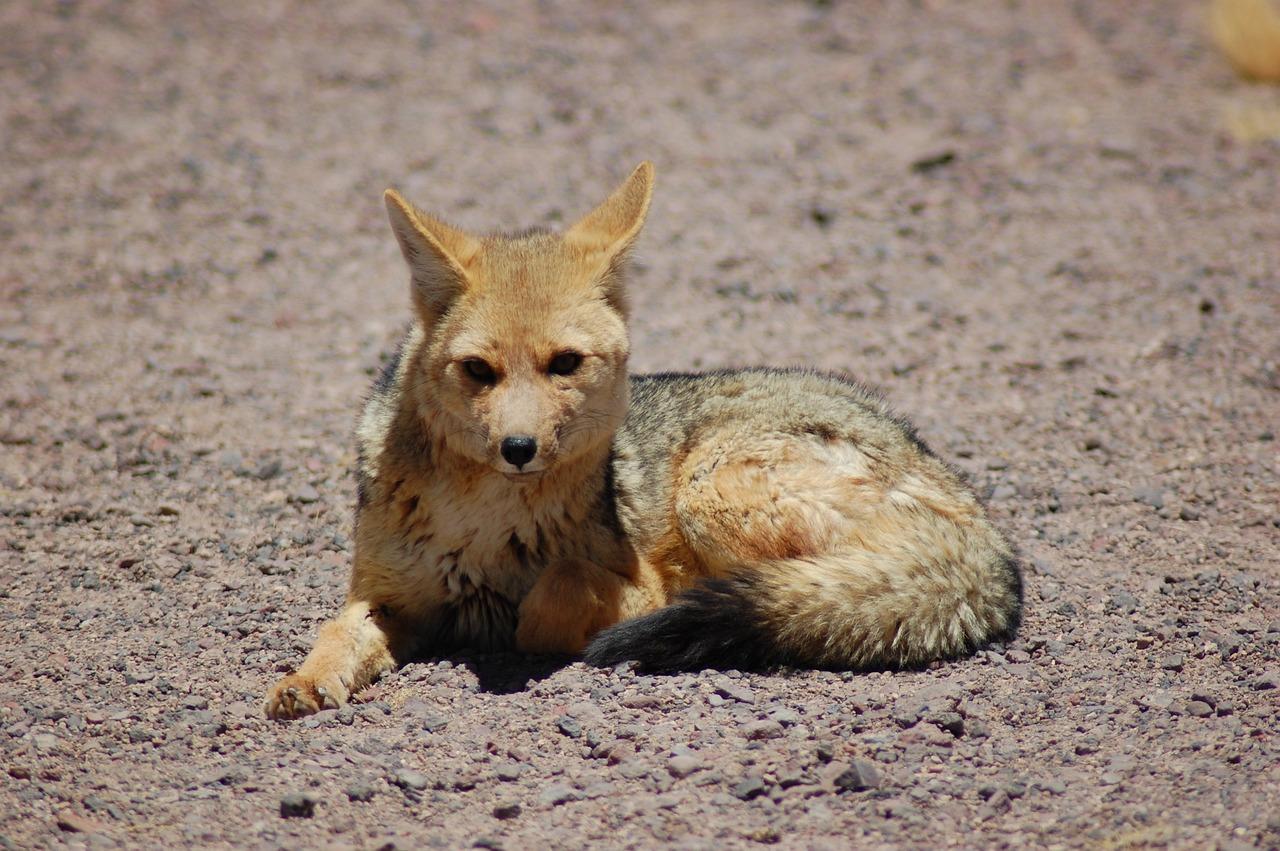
(516, 488)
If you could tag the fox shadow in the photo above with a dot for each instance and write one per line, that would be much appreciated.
(499, 672)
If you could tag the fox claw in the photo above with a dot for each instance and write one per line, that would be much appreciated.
(296, 696)
(326, 699)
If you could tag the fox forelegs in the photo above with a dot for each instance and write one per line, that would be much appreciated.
(350, 653)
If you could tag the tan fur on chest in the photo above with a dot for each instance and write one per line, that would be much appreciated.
(427, 541)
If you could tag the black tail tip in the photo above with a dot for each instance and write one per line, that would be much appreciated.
(1013, 580)
(714, 625)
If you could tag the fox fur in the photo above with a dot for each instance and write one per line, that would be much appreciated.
(518, 489)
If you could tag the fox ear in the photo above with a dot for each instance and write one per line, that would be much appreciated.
(609, 230)
(438, 255)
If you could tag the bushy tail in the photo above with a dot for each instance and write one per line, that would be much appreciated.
(848, 611)
(1248, 32)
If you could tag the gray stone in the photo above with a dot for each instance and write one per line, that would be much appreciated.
(1204, 697)
(509, 771)
(305, 494)
(1267, 681)
(1152, 496)
(785, 716)
(858, 777)
(762, 730)
(732, 691)
(506, 810)
(952, 722)
(361, 791)
(1199, 709)
(683, 766)
(269, 470)
(1004, 492)
(1086, 747)
(749, 787)
(976, 728)
(298, 805)
(1123, 602)
(45, 741)
(1053, 786)
(906, 712)
(410, 780)
(557, 794)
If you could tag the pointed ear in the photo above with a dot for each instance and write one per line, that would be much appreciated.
(610, 229)
(438, 255)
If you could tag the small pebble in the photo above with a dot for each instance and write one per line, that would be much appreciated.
(509, 771)
(952, 722)
(1152, 496)
(1267, 681)
(859, 776)
(298, 805)
(1086, 747)
(749, 787)
(361, 791)
(410, 780)
(569, 727)
(728, 689)
(305, 494)
(762, 730)
(683, 766)
(557, 794)
(506, 810)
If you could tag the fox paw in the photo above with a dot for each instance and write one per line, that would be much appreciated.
(297, 696)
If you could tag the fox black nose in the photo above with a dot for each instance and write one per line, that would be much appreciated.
(519, 450)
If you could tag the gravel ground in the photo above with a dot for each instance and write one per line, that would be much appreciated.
(1026, 221)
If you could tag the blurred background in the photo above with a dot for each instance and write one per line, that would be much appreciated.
(838, 182)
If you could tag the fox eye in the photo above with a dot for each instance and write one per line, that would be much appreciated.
(565, 363)
(480, 370)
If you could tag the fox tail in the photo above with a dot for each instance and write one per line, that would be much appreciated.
(858, 610)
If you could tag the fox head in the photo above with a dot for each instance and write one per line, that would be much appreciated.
(523, 362)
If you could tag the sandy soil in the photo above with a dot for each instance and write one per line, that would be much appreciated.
(1022, 220)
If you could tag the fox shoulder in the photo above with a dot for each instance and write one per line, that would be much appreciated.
(380, 423)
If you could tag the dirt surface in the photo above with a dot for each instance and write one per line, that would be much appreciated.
(1023, 221)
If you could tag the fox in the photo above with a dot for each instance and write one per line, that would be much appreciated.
(518, 489)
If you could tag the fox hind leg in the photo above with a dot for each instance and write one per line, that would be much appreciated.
(775, 497)
(574, 600)
(819, 556)
(744, 506)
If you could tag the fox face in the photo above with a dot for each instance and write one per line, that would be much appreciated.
(528, 367)
(524, 366)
